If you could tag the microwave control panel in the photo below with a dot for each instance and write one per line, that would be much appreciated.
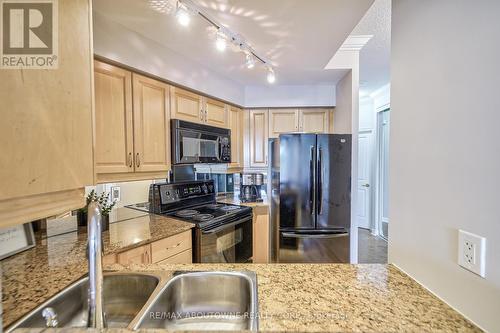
(225, 148)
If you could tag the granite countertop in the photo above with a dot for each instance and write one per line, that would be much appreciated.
(235, 200)
(32, 276)
(338, 297)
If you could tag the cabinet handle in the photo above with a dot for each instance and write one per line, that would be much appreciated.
(201, 114)
(137, 160)
(129, 160)
(173, 247)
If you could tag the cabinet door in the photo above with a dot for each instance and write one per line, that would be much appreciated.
(139, 255)
(215, 113)
(113, 119)
(236, 125)
(314, 120)
(46, 129)
(258, 137)
(151, 124)
(186, 105)
(283, 121)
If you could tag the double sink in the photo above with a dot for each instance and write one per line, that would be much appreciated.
(185, 301)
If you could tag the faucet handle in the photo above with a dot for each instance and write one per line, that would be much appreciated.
(50, 316)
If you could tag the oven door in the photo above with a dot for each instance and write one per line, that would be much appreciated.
(196, 147)
(229, 243)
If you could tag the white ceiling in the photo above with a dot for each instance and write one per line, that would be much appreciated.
(375, 57)
(297, 36)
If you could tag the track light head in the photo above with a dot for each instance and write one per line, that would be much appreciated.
(182, 15)
(250, 61)
(271, 77)
(220, 41)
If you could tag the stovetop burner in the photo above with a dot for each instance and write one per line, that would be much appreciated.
(186, 213)
(203, 217)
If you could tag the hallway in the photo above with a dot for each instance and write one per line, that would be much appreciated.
(371, 249)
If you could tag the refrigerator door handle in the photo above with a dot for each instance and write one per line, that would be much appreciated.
(312, 186)
(320, 185)
(305, 236)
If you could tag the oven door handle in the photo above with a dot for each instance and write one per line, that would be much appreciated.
(224, 226)
(308, 236)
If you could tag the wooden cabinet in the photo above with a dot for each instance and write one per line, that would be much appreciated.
(114, 144)
(314, 120)
(151, 124)
(138, 255)
(170, 246)
(215, 113)
(186, 105)
(261, 238)
(236, 124)
(176, 249)
(283, 121)
(258, 136)
(46, 127)
(189, 106)
(132, 125)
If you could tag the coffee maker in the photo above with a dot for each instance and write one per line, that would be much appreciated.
(250, 187)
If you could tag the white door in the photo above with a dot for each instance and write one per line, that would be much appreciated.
(364, 186)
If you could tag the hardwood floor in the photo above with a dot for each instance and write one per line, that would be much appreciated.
(371, 249)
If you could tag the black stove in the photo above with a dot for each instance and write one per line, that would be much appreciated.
(223, 232)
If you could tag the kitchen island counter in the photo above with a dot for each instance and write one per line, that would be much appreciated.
(335, 297)
(338, 297)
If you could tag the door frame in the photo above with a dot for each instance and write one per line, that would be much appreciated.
(377, 162)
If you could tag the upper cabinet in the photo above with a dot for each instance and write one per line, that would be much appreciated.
(132, 140)
(314, 120)
(283, 121)
(236, 123)
(46, 127)
(151, 124)
(215, 113)
(186, 105)
(113, 119)
(258, 136)
(189, 106)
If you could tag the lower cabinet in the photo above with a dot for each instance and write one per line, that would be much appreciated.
(261, 234)
(175, 249)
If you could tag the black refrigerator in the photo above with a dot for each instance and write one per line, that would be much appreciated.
(310, 195)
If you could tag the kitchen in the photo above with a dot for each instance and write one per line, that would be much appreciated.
(204, 182)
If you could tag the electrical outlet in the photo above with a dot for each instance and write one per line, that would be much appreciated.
(115, 193)
(471, 252)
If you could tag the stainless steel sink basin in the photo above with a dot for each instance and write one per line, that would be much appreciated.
(124, 295)
(204, 301)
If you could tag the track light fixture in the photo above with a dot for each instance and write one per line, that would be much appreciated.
(187, 8)
(250, 61)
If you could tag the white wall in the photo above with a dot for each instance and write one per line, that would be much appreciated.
(289, 96)
(445, 147)
(342, 123)
(117, 42)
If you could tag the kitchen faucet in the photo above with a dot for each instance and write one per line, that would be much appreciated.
(96, 315)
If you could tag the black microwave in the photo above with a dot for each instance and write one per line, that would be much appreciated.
(198, 143)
